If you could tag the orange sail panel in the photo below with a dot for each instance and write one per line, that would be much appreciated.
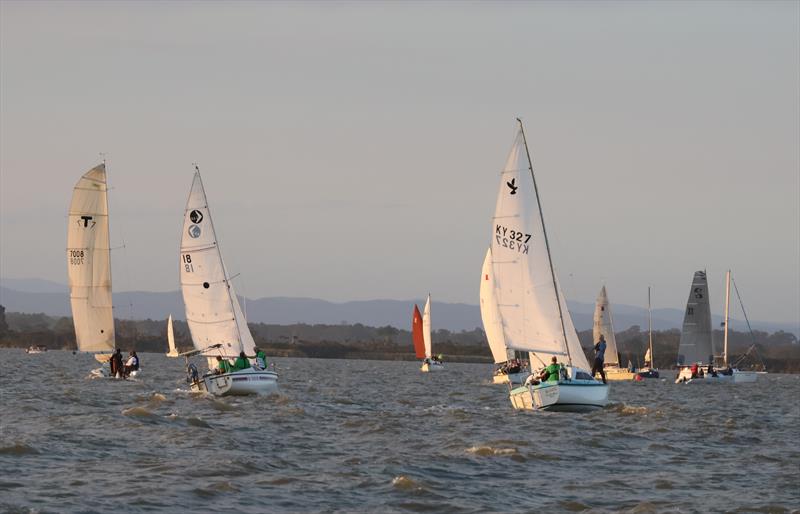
(416, 334)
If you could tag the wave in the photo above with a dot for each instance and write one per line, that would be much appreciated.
(491, 451)
(18, 449)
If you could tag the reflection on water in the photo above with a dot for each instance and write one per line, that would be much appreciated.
(369, 436)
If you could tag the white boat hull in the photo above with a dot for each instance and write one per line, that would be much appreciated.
(744, 377)
(617, 374)
(571, 395)
(685, 377)
(428, 367)
(238, 383)
(513, 378)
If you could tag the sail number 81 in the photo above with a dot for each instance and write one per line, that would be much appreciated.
(187, 263)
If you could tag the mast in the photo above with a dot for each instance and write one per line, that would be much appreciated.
(650, 328)
(219, 255)
(546, 242)
(727, 305)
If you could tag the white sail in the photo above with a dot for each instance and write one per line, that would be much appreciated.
(89, 263)
(604, 325)
(426, 327)
(492, 324)
(212, 309)
(173, 350)
(647, 358)
(528, 297)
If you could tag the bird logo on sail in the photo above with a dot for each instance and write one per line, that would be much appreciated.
(511, 185)
(196, 216)
(194, 231)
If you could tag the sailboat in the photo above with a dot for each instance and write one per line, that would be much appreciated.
(532, 309)
(508, 369)
(430, 362)
(739, 376)
(649, 370)
(696, 347)
(173, 350)
(603, 325)
(89, 266)
(216, 322)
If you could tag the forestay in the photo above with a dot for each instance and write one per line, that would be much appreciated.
(492, 324)
(528, 297)
(603, 325)
(696, 344)
(212, 308)
(426, 327)
(89, 263)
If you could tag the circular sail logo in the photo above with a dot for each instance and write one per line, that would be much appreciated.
(196, 216)
(194, 231)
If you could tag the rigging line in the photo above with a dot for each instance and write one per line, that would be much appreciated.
(752, 335)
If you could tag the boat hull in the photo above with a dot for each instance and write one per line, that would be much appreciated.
(685, 377)
(648, 373)
(565, 395)
(238, 383)
(744, 377)
(617, 374)
(431, 367)
(513, 378)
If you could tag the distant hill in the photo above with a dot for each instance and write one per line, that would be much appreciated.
(48, 299)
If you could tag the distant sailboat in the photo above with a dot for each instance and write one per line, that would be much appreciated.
(649, 370)
(532, 308)
(173, 350)
(507, 369)
(89, 265)
(603, 325)
(431, 362)
(739, 376)
(696, 346)
(216, 322)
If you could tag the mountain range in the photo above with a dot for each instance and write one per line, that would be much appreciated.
(51, 298)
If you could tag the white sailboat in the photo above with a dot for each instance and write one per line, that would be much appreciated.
(216, 322)
(696, 347)
(173, 350)
(89, 266)
(603, 325)
(649, 370)
(738, 376)
(507, 368)
(531, 306)
(431, 362)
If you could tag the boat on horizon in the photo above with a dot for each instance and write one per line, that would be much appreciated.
(603, 325)
(421, 337)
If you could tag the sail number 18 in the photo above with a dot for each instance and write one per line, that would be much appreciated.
(187, 263)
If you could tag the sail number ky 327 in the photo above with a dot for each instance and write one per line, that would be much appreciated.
(512, 239)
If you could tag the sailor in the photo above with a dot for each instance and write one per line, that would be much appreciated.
(694, 370)
(551, 372)
(223, 365)
(241, 362)
(261, 358)
(115, 362)
(600, 357)
(132, 364)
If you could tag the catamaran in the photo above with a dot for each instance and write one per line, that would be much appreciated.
(532, 309)
(649, 370)
(421, 335)
(216, 322)
(89, 268)
(508, 368)
(603, 325)
(173, 350)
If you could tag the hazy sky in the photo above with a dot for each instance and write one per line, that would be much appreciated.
(352, 150)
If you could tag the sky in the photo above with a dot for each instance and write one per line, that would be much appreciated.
(352, 150)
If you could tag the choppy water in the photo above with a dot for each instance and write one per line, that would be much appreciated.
(380, 436)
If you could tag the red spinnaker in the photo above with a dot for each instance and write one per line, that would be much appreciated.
(416, 333)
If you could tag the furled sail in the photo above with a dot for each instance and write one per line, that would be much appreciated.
(212, 308)
(416, 334)
(426, 327)
(696, 344)
(492, 324)
(603, 325)
(528, 297)
(173, 350)
(89, 263)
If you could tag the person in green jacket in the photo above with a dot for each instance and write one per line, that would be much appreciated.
(241, 362)
(261, 358)
(551, 372)
(223, 365)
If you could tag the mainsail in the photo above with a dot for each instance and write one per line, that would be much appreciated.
(426, 327)
(173, 350)
(603, 325)
(696, 344)
(492, 324)
(212, 308)
(89, 263)
(530, 302)
(416, 334)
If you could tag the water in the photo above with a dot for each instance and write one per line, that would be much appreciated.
(373, 436)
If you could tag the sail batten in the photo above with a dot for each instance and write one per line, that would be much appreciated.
(89, 263)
